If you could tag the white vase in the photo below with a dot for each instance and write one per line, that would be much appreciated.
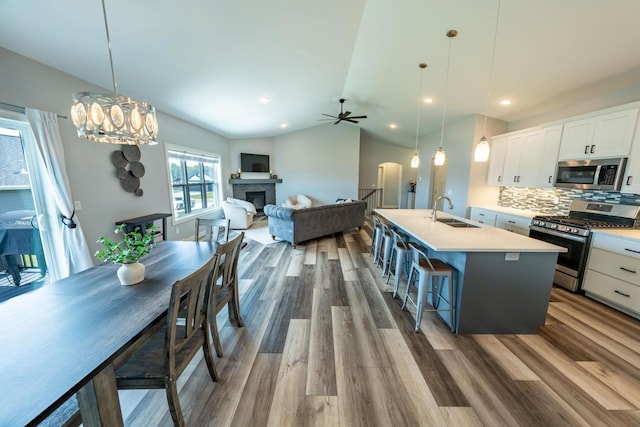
(130, 274)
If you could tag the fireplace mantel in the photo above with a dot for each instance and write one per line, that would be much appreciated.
(254, 181)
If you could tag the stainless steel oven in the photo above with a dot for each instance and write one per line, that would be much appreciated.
(573, 232)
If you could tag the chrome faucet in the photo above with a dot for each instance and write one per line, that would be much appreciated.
(434, 216)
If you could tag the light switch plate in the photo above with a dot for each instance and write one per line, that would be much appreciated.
(512, 256)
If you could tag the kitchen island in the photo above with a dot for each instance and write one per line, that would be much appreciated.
(503, 279)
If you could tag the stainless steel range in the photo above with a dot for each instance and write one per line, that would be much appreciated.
(574, 233)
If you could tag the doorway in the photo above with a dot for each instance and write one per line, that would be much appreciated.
(22, 262)
(390, 181)
(438, 182)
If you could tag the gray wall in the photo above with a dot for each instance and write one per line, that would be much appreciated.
(321, 162)
(374, 151)
(91, 174)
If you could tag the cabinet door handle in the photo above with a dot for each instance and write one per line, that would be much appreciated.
(511, 222)
(632, 250)
(549, 181)
(499, 178)
(629, 178)
(628, 270)
(621, 293)
(586, 149)
(593, 149)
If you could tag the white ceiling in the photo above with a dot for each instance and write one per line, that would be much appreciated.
(209, 62)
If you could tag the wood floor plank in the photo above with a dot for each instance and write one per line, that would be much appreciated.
(311, 253)
(338, 286)
(378, 307)
(321, 411)
(255, 403)
(507, 360)
(613, 346)
(332, 248)
(348, 270)
(288, 406)
(298, 257)
(602, 394)
(355, 407)
(578, 399)
(372, 351)
(322, 272)
(416, 391)
(445, 389)
(628, 388)
(321, 374)
(460, 416)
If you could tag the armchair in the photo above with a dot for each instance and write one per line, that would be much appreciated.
(239, 212)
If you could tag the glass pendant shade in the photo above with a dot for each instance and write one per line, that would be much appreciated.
(482, 150)
(415, 161)
(122, 120)
(440, 157)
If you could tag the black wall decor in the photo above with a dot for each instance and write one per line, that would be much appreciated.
(128, 168)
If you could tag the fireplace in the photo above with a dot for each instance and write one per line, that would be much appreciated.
(258, 198)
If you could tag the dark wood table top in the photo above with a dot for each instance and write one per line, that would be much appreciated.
(59, 336)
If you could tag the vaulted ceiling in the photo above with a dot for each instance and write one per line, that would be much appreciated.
(210, 62)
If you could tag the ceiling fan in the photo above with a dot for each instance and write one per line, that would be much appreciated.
(346, 116)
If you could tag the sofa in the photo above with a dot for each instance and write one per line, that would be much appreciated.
(299, 225)
(239, 212)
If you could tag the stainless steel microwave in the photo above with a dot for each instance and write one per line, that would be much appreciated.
(591, 174)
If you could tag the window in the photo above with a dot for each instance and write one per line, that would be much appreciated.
(195, 181)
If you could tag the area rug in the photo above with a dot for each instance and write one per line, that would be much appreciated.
(259, 232)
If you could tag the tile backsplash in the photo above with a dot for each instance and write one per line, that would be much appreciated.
(556, 201)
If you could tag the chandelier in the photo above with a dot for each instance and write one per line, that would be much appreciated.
(415, 160)
(113, 118)
(440, 156)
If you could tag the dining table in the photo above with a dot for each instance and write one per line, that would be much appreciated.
(68, 336)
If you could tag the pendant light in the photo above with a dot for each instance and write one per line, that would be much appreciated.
(440, 156)
(482, 150)
(113, 118)
(415, 160)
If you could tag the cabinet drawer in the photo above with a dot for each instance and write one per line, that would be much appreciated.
(509, 221)
(613, 290)
(615, 265)
(616, 244)
(483, 216)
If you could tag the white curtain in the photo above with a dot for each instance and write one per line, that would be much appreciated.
(63, 241)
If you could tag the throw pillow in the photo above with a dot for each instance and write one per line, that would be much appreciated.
(304, 201)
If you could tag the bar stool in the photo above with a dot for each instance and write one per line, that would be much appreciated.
(400, 254)
(385, 250)
(375, 238)
(427, 270)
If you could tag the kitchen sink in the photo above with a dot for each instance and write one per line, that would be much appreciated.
(452, 222)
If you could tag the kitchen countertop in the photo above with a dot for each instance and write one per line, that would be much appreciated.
(627, 233)
(444, 238)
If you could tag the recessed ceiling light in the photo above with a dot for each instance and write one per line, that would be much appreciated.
(265, 99)
(284, 125)
(505, 102)
(393, 125)
(428, 100)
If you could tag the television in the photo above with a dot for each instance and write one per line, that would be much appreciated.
(254, 162)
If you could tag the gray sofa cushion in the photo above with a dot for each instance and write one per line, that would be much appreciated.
(299, 225)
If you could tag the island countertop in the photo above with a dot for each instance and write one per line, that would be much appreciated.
(441, 237)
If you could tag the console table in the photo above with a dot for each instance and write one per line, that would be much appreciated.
(142, 222)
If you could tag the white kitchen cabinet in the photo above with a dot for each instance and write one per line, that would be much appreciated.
(601, 136)
(613, 272)
(483, 216)
(531, 157)
(496, 160)
(631, 182)
(514, 223)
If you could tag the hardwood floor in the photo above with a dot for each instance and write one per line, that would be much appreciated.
(325, 344)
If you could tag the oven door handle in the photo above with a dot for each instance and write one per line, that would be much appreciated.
(581, 239)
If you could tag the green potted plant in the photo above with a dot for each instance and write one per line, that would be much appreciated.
(128, 251)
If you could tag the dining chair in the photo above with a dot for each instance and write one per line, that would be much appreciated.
(160, 360)
(225, 287)
(214, 229)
